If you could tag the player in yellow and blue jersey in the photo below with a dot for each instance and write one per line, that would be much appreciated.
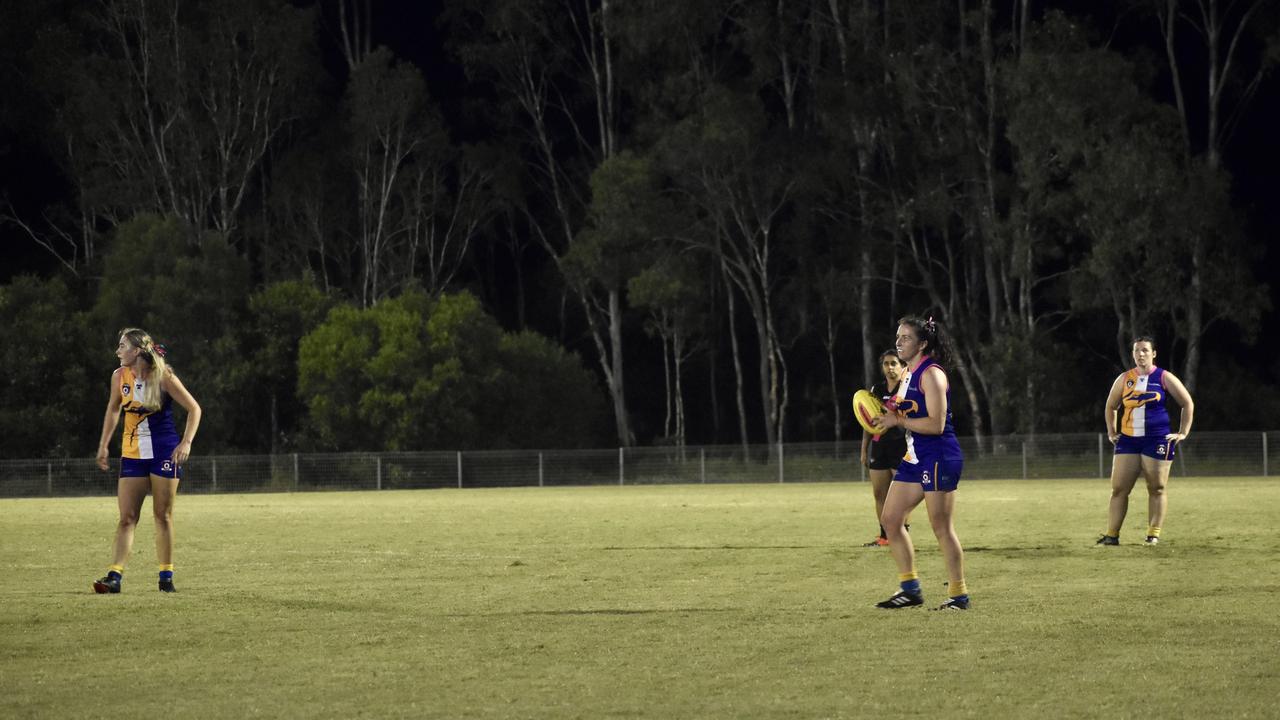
(930, 470)
(144, 387)
(1137, 422)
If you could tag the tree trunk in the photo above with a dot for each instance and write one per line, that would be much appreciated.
(737, 364)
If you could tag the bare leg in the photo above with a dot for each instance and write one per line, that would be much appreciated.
(902, 498)
(1156, 473)
(1124, 473)
(941, 507)
(130, 492)
(163, 493)
(880, 480)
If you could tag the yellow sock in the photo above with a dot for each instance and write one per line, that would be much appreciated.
(116, 568)
(904, 577)
(1153, 531)
(956, 589)
(1113, 532)
(168, 567)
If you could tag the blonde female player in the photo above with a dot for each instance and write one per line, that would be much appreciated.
(931, 469)
(882, 454)
(1144, 442)
(151, 456)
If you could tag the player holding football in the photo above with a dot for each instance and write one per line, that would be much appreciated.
(144, 387)
(882, 454)
(1144, 442)
(930, 470)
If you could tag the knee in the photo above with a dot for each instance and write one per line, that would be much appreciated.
(1121, 492)
(891, 519)
(164, 519)
(128, 521)
(1156, 489)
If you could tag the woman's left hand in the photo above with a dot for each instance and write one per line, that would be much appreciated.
(887, 420)
(182, 452)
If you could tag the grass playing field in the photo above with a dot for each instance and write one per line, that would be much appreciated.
(653, 602)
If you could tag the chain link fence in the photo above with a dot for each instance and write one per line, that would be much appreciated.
(1082, 455)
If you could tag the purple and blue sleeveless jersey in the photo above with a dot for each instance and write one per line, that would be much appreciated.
(1143, 412)
(910, 399)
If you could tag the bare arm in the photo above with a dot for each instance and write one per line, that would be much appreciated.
(1183, 398)
(1112, 407)
(179, 393)
(866, 445)
(934, 386)
(109, 420)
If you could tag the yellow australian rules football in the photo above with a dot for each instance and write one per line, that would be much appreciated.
(867, 407)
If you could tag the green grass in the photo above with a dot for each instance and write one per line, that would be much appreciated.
(654, 602)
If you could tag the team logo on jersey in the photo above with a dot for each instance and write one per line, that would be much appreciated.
(908, 406)
(124, 389)
(1129, 384)
(1138, 399)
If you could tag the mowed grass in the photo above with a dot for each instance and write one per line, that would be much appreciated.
(744, 601)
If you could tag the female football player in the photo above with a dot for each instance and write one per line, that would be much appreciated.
(1144, 442)
(930, 470)
(152, 454)
(882, 454)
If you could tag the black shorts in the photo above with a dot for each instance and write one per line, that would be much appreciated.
(885, 455)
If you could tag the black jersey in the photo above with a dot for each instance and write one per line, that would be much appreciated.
(886, 451)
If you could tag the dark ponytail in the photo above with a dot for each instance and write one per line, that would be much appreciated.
(930, 331)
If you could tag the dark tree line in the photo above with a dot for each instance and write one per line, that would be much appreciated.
(671, 222)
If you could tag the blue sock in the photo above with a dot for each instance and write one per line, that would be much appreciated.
(166, 576)
(911, 586)
(114, 575)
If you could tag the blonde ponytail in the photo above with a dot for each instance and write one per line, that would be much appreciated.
(153, 353)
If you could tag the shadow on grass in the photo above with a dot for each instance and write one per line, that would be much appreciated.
(713, 547)
(598, 611)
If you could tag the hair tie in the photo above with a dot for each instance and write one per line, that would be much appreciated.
(930, 326)
(159, 349)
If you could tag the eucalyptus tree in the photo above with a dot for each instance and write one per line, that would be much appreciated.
(742, 180)
(1240, 46)
(417, 196)
(670, 291)
(554, 68)
(172, 108)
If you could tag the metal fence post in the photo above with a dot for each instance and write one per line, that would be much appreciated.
(214, 460)
(459, 469)
(702, 464)
(1264, 454)
(781, 472)
(378, 458)
(1024, 459)
(540, 476)
(49, 478)
(295, 471)
(621, 472)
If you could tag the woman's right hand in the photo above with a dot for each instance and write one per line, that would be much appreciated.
(102, 459)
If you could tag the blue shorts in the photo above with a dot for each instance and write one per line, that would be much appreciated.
(1153, 447)
(935, 475)
(163, 467)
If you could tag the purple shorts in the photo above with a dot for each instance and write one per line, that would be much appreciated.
(1152, 447)
(162, 467)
